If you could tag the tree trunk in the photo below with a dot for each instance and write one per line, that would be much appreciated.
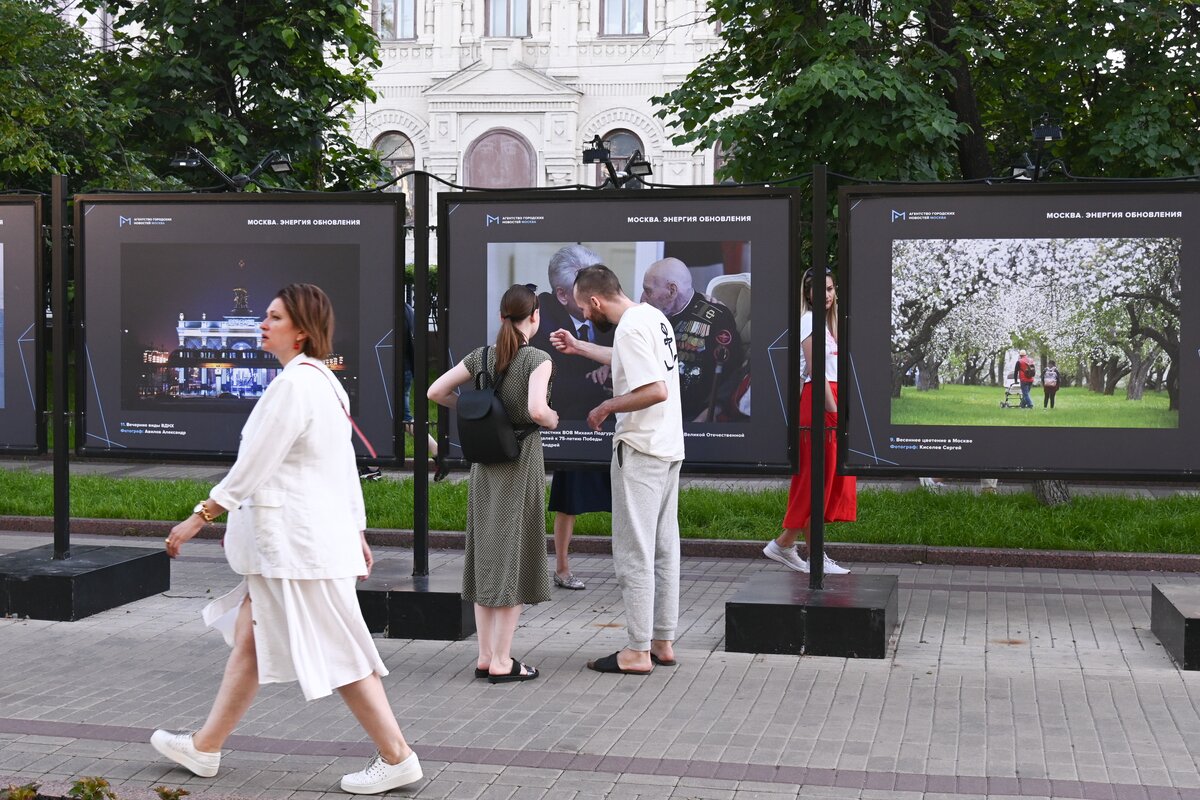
(1140, 366)
(1172, 388)
(900, 366)
(973, 158)
(1052, 493)
(973, 370)
(1095, 376)
(1114, 370)
(927, 375)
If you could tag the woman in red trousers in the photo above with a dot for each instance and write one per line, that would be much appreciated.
(841, 503)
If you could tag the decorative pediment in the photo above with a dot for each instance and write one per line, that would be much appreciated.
(483, 84)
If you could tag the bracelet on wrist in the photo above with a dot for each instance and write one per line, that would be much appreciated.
(203, 512)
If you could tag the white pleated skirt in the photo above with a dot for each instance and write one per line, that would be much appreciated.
(309, 631)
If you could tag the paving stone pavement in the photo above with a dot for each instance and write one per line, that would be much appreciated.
(1000, 683)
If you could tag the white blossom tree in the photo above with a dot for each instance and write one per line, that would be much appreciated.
(1113, 303)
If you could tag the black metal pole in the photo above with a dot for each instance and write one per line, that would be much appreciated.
(420, 370)
(816, 551)
(61, 344)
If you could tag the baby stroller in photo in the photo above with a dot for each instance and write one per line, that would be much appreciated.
(1012, 396)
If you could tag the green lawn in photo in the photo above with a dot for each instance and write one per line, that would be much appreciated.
(1075, 407)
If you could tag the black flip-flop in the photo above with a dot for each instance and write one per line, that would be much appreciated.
(481, 673)
(610, 664)
(515, 674)
(662, 663)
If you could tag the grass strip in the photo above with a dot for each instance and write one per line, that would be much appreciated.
(1111, 523)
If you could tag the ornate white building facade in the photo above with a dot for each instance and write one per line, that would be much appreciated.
(505, 93)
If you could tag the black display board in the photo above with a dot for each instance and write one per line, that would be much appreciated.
(22, 383)
(946, 287)
(721, 238)
(172, 289)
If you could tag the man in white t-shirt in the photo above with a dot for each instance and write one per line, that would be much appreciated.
(647, 454)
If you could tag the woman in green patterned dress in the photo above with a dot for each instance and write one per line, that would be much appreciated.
(505, 563)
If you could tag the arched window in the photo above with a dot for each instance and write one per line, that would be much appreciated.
(623, 18)
(398, 155)
(621, 145)
(722, 155)
(397, 19)
(500, 159)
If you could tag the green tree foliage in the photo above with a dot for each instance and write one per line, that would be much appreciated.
(239, 78)
(53, 116)
(942, 89)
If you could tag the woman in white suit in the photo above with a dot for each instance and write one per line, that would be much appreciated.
(295, 534)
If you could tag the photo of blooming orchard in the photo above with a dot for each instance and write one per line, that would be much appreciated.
(1036, 332)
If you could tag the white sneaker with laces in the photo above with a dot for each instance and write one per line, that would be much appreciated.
(786, 556)
(834, 568)
(179, 748)
(380, 776)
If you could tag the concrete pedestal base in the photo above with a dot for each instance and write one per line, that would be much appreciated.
(775, 612)
(94, 579)
(401, 606)
(1175, 620)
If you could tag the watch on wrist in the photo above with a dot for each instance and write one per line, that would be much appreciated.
(203, 512)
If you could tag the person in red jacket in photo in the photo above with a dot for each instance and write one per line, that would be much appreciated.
(1024, 374)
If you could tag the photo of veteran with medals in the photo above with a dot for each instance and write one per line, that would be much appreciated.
(713, 378)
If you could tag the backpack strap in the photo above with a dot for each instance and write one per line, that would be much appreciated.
(353, 424)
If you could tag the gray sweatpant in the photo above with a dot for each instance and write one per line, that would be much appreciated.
(645, 543)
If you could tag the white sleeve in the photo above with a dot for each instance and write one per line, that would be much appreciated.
(284, 412)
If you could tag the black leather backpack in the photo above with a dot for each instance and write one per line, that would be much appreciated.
(485, 433)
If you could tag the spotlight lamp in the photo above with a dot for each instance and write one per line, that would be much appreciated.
(597, 152)
(638, 166)
(1046, 131)
(184, 161)
(279, 163)
(276, 162)
(1022, 168)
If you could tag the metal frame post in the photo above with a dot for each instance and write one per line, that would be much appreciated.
(61, 343)
(820, 262)
(420, 375)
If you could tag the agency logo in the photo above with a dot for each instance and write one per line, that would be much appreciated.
(123, 220)
(899, 215)
(510, 219)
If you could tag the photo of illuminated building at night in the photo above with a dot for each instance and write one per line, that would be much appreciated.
(219, 359)
(202, 350)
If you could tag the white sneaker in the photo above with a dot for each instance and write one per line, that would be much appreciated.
(179, 748)
(834, 568)
(786, 556)
(380, 776)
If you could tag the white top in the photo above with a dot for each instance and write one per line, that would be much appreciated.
(831, 350)
(294, 499)
(643, 353)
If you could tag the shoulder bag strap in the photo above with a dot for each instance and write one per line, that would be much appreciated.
(362, 438)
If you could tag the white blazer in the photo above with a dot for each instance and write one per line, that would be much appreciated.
(294, 498)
